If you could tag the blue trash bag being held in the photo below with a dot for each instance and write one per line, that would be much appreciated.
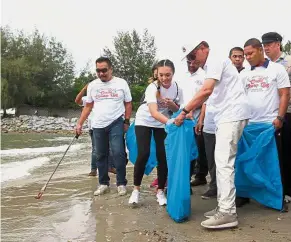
(132, 148)
(180, 149)
(257, 170)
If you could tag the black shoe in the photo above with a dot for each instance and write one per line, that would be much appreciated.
(241, 201)
(198, 182)
(209, 194)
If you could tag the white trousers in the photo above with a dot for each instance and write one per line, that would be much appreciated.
(227, 137)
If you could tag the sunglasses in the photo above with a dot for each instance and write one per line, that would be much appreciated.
(101, 70)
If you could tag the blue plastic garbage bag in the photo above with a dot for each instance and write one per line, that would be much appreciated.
(179, 148)
(132, 148)
(257, 170)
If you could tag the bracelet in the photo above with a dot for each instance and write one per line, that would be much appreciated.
(185, 111)
(280, 118)
(126, 121)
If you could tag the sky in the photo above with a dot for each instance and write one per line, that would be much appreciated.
(85, 27)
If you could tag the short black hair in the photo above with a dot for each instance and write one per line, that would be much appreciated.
(254, 43)
(235, 48)
(104, 59)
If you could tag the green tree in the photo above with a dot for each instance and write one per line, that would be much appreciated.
(133, 56)
(287, 48)
(36, 70)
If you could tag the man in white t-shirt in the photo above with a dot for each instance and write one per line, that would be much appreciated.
(190, 85)
(110, 99)
(226, 93)
(267, 86)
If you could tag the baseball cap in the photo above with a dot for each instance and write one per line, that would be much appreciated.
(188, 48)
(271, 37)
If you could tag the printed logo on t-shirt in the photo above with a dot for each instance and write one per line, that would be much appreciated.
(258, 83)
(106, 93)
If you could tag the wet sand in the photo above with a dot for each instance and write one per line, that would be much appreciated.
(68, 211)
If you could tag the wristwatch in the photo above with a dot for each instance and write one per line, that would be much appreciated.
(280, 118)
(185, 111)
(126, 121)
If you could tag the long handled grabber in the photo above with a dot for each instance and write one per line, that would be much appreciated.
(44, 187)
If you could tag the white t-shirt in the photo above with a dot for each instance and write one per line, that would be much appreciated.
(84, 100)
(143, 115)
(228, 99)
(190, 86)
(209, 124)
(108, 98)
(261, 85)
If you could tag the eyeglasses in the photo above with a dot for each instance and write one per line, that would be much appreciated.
(101, 70)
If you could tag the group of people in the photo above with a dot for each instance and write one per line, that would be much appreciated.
(223, 98)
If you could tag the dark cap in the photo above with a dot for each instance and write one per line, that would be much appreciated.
(271, 37)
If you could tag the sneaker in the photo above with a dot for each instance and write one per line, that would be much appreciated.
(93, 173)
(101, 190)
(134, 197)
(287, 199)
(211, 213)
(121, 190)
(209, 194)
(198, 182)
(154, 183)
(241, 201)
(161, 198)
(220, 221)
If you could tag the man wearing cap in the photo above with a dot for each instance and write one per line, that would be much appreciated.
(191, 85)
(272, 43)
(227, 96)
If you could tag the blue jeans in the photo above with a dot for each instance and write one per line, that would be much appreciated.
(111, 136)
(93, 154)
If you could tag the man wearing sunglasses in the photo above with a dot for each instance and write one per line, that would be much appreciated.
(110, 99)
(226, 95)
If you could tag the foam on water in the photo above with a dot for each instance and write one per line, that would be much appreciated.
(59, 139)
(42, 150)
(15, 170)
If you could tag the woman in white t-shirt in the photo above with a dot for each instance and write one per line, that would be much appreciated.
(162, 97)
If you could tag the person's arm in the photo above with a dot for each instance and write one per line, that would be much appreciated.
(153, 107)
(199, 126)
(78, 98)
(84, 115)
(201, 95)
(284, 94)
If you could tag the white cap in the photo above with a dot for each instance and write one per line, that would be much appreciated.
(187, 49)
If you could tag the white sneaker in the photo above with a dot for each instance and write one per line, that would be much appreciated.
(161, 198)
(101, 190)
(134, 197)
(121, 190)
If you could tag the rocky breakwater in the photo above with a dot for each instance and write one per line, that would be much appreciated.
(25, 123)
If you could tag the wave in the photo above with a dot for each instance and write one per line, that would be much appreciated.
(18, 169)
(42, 150)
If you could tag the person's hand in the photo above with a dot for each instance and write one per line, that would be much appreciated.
(180, 119)
(170, 121)
(198, 128)
(189, 115)
(277, 124)
(78, 129)
(125, 127)
(170, 104)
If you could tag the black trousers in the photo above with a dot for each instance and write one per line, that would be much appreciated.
(201, 162)
(285, 164)
(143, 139)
